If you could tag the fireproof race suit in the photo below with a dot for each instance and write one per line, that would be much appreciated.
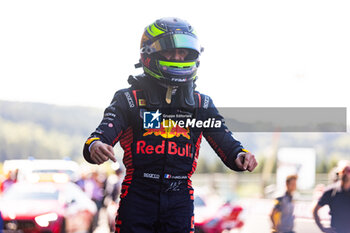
(157, 194)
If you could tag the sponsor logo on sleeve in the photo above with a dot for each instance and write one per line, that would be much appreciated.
(129, 98)
(206, 102)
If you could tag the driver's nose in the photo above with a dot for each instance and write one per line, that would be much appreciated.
(177, 56)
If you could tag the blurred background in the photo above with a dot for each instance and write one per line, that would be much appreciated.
(62, 61)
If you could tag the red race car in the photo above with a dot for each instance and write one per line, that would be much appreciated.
(225, 218)
(47, 207)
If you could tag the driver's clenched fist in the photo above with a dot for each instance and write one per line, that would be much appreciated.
(246, 161)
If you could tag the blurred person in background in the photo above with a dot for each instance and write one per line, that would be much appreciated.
(117, 187)
(157, 193)
(81, 181)
(334, 174)
(114, 185)
(337, 197)
(282, 215)
(10, 180)
(112, 193)
(94, 188)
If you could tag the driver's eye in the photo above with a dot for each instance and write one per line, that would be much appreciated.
(166, 53)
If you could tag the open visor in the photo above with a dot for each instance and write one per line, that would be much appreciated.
(173, 41)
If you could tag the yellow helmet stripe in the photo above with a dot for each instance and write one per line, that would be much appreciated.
(154, 31)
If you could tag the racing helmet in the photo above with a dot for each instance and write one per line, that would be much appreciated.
(166, 34)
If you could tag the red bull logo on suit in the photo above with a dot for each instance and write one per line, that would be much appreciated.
(172, 149)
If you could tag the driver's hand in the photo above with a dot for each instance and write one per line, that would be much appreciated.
(246, 161)
(100, 152)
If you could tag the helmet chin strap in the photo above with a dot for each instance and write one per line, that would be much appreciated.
(168, 94)
(154, 93)
(170, 90)
(184, 95)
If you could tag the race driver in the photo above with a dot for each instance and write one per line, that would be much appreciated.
(160, 154)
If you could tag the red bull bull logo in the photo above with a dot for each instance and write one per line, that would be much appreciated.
(169, 129)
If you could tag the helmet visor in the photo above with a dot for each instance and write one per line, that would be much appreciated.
(174, 41)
